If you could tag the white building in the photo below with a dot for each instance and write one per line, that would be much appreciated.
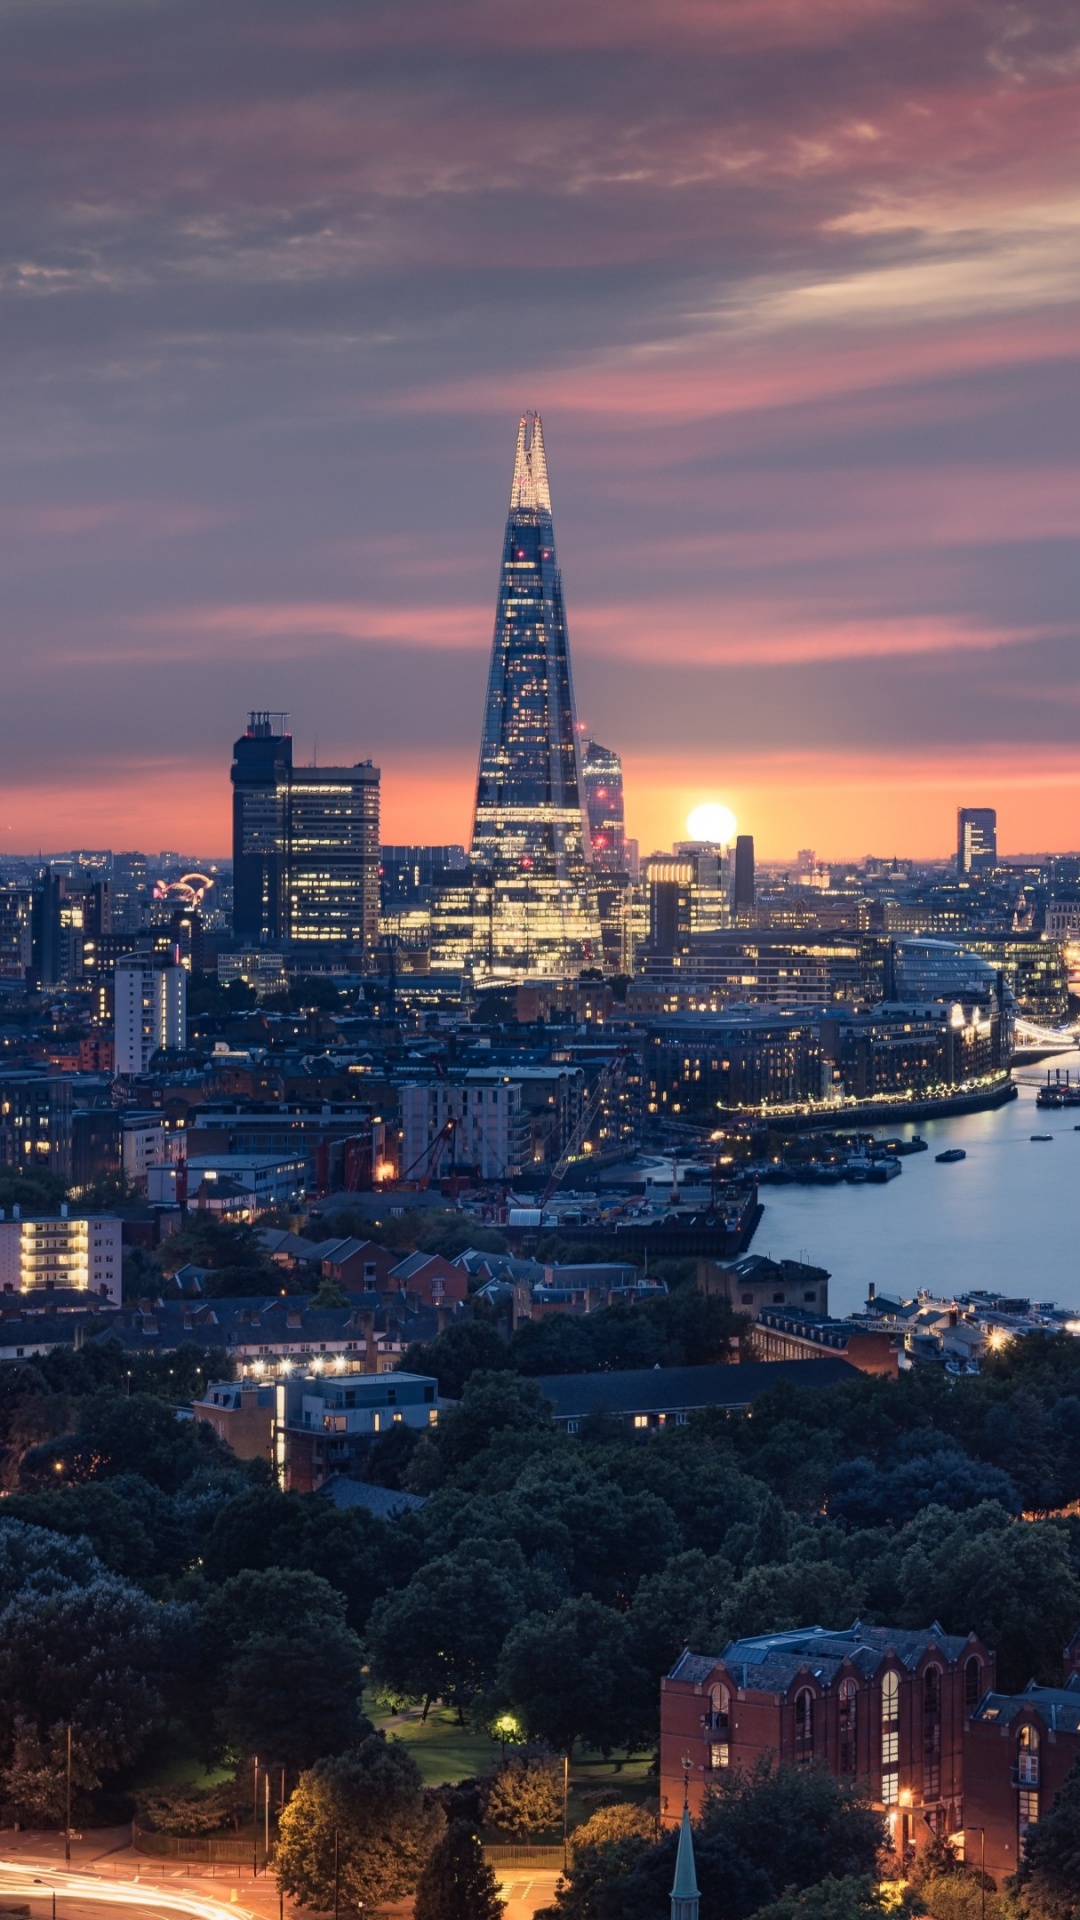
(150, 1011)
(79, 1255)
(480, 1125)
(272, 1179)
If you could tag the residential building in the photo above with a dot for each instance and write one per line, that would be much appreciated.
(323, 1424)
(1019, 1751)
(35, 1122)
(793, 1333)
(70, 1253)
(480, 1126)
(241, 1412)
(530, 827)
(646, 1399)
(882, 1707)
(149, 1011)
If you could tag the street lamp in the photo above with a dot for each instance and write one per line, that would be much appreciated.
(67, 1822)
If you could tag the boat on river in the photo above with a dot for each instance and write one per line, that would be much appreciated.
(1042, 1136)
(953, 1153)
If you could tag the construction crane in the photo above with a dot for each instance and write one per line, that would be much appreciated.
(606, 1082)
(429, 1154)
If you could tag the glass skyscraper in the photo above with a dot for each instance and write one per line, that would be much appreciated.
(602, 774)
(530, 830)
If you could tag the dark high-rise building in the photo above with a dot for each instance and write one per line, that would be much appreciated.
(262, 764)
(406, 874)
(601, 772)
(742, 892)
(976, 840)
(305, 844)
(530, 828)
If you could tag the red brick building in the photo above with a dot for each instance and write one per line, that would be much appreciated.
(1019, 1748)
(879, 1705)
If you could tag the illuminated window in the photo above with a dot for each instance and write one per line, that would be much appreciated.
(890, 1738)
(932, 1733)
(1027, 1757)
(641, 1419)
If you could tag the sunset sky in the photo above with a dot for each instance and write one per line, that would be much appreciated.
(793, 284)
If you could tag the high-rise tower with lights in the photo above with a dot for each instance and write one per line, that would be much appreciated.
(530, 831)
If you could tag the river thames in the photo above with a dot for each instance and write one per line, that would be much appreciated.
(1007, 1217)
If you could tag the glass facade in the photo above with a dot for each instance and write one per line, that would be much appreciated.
(601, 771)
(305, 844)
(530, 828)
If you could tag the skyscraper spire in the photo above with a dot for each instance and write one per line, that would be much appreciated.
(529, 829)
(530, 488)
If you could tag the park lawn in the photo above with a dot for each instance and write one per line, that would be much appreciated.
(173, 1761)
(443, 1751)
(446, 1752)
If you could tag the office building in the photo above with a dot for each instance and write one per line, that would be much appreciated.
(16, 932)
(149, 1011)
(601, 772)
(976, 841)
(35, 1122)
(58, 1255)
(742, 890)
(262, 764)
(530, 827)
(305, 845)
(407, 874)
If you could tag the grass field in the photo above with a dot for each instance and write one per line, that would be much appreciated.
(446, 1752)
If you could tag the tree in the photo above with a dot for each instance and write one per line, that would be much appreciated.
(795, 1824)
(1050, 1865)
(93, 1656)
(855, 1897)
(372, 1800)
(455, 1354)
(524, 1794)
(572, 1677)
(295, 1698)
(357, 1553)
(492, 1404)
(623, 1820)
(441, 1638)
(122, 1434)
(1012, 1585)
(457, 1883)
(682, 1606)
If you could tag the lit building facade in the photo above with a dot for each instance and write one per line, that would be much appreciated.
(601, 772)
(883, 1707)
(530, 828)
(305, 845)
(61, 1255)
(976, 840)
(149, 1011)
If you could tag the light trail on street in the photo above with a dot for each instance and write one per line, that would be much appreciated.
(23, 1880)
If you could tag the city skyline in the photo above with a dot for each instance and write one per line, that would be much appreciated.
(790, 286)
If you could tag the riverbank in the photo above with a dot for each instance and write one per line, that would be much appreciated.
(876, 1113)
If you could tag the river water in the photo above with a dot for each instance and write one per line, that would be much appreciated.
(1006, 1217)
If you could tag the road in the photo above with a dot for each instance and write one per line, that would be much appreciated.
(108, 1884)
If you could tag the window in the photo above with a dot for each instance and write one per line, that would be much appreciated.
(848, 1726)
(572, 1426)
(973, 1686)
(1027, 1757)
(804, 1727)
(932, 1733)
(719, 1755)
(1027, 1809)
(890, 1738)
(641, 1419)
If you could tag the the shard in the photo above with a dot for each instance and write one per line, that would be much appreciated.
(530, 830)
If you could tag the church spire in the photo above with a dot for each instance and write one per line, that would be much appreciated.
(685, 1898)
(530, 491)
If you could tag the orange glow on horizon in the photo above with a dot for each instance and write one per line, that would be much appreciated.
(845, 806)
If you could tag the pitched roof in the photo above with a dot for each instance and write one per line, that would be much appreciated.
(769, 1662)
(684, 1389)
